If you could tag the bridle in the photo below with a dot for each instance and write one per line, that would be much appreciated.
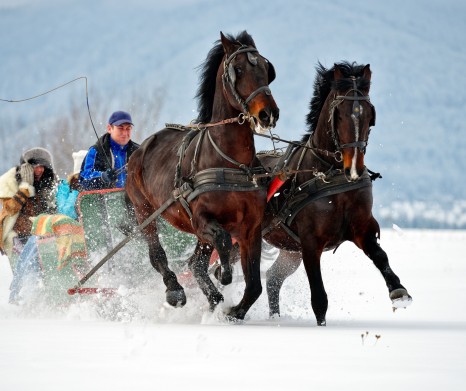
(229, 78)
(355, 116)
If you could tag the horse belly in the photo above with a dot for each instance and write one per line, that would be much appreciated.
(238, 212)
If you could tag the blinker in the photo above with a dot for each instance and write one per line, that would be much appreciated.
(252, 58)
(232, 73)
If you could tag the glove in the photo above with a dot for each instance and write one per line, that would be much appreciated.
(26, 172)
(109, 176)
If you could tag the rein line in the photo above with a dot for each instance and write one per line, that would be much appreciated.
(336, 155)
(57, 88)
(242, 118)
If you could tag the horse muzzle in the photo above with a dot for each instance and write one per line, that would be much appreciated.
(353, 163)
(264, 117)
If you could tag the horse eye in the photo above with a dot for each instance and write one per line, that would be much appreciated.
(238, 71)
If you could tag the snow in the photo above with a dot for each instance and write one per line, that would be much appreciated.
(365, 345)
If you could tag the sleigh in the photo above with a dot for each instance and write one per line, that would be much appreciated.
(101, 226)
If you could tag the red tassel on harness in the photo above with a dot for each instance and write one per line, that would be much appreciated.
(276, 183)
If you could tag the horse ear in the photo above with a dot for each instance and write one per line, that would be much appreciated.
(366, 72)
(228, 46)
(337, 73)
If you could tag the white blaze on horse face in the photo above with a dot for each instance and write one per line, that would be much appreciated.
(353, 172)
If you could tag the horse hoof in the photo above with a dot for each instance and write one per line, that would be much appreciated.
(214, 301)
(233, 320)
(321, 322)
(274, 315)
(176, 298)
(225, 277)
(235, 315)
(400, 298)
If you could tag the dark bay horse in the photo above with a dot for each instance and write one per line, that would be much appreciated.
(207, 170)
(328, 197)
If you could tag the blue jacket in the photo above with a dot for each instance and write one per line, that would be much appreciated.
(105, 154)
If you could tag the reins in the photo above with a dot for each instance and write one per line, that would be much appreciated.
(336, 155)
(242, 118)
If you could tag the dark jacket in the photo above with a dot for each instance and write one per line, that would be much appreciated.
(101, 156)
(42, 202)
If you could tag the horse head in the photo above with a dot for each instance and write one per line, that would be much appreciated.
(246, 76)
(351, 116)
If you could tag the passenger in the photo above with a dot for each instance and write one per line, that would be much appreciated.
(68, 189)
(25, 191)
(104, 166)
(27, 267)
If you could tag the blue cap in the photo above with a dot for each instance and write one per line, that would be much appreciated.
(120, 117)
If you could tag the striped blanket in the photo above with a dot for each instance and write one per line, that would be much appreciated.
(69, 236)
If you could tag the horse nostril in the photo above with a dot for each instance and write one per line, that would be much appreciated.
(264, 116)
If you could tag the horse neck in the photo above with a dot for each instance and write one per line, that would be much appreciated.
(234, 140)
(322, 138)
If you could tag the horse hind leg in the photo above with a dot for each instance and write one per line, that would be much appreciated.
(284, 266)
(397, 292)
(198, 264)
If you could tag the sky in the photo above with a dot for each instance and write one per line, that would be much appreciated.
(364, 346)
(144, 57)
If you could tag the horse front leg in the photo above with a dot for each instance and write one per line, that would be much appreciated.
(250, 247)
(198, 264)
(211, 231)
(369, 244)
(312, 252)
(283, 267)
(174, 294)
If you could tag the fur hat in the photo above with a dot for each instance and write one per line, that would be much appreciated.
(38, 156)
(78, 158)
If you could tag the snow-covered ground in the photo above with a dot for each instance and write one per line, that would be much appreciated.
(365, 345)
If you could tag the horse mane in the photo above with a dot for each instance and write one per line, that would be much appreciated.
(324, 83)
(206, 90)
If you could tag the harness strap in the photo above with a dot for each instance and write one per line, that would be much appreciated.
(313, 190)
(214, 179)
(219, 151)
(264, 89)
(310, 191)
